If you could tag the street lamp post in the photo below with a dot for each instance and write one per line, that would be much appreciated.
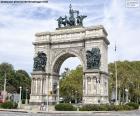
(126, 92)
(26, 101)
(76, 97)
(116, 75)
(58, 93)
(19, 103)
(48, 92)
(4, 91)
(116, 97)
(113, 94)
(72, 96)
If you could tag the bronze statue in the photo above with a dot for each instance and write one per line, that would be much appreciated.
(80, 19)
(72, 20)
(93, 58)
(61, 21)
(40, 62)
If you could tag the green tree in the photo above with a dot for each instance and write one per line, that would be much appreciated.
(23, 80)
(15, 79)
(128, 78)
(71, 85)
(8, 71)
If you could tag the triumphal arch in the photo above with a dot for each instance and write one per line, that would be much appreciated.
(70, 39)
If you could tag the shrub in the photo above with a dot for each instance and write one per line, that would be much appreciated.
(105, 107)
(111, 107)
(91, 107)
(65, 107)
(127, 107)
(118, 107)
(15, 105)
(133, 105)
(8, 105)
(23, 101)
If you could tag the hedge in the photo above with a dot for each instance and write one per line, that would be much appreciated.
(65, 107)
(107, 107)
(134, 105)
(9, 105)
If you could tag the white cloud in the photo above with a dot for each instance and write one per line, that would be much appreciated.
(120, 31)
(17, 35)
(19, 23)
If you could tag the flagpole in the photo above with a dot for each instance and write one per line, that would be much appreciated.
(70, 4)
(4, 91)
(116, 76)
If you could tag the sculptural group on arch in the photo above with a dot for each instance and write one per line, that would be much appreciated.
(73, 20)
(40, 62)
(93, 58)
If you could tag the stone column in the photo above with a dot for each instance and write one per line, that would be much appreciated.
(44, 86)
(35, 86)
(38, 86)
(41, 86)
(98, 85)
(32, 86)
(92, 86)
(86, 86)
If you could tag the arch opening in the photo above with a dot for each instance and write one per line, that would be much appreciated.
(62, 77)
(65, 58)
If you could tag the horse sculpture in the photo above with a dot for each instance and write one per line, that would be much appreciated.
(80, 19)
(72, 20)
(61, 21)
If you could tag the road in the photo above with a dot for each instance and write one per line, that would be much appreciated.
(128, 113)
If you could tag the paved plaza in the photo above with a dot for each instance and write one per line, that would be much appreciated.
(127, 113)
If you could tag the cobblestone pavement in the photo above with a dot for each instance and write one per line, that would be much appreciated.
(129, 113)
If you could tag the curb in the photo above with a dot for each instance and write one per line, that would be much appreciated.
(54, 112)
(58, 112)
(11, 110)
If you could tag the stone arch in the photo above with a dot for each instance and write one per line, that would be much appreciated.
(73, 42)
(56, 65)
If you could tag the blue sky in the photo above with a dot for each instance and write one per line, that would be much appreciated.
(19, 23)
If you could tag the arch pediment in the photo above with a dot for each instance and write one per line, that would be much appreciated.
(64, 54)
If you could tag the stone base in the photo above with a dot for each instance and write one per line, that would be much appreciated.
(95, 87)
(95, 100)
(37, 100)
(69, 27)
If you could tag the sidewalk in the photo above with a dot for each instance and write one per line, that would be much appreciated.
(36, 109)
(29, 109)
(53, 112)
